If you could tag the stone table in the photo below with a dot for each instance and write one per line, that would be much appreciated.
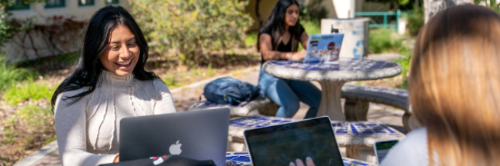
(332, 76)
(355, 139)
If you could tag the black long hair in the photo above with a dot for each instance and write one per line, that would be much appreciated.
(276, 23)
(89, 67)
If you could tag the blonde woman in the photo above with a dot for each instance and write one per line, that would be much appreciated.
(455, 91)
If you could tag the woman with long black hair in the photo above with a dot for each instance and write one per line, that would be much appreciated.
(279, 39)
(108, 84)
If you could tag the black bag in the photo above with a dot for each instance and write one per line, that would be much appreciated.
(230, 91)
(173, 160)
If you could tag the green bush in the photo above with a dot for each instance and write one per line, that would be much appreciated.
(415, 20)
(383, 40)
(314, 10)
(10, 74)
(251, 39)
(404, 62)
(190, 30)
(27, 90)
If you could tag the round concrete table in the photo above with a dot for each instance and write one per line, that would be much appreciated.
(332, 76)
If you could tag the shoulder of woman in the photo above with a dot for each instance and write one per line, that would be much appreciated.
(266, 30)
(412, 149)
(159, 84)
(71, 93)
(64, 99)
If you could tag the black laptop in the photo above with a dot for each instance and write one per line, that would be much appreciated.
(284, 143)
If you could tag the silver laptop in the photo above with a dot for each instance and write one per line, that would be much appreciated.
(200, 135)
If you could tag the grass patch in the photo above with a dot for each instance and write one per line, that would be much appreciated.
(28, 129)
(172, 82)
(27, 90)
(383, 40)
(31, 116)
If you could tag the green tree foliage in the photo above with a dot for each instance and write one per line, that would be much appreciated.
(190, 30)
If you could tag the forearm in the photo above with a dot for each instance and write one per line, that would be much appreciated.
(83, 158)
(276, 55)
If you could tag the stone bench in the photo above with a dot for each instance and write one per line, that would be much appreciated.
(358, 98)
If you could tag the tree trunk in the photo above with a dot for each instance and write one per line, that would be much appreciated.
(432, 7)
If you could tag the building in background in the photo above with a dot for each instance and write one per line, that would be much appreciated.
(59, 27)
(78, 9)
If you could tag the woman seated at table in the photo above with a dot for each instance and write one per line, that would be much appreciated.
(279, 39)
(454, 91)
(108, 84)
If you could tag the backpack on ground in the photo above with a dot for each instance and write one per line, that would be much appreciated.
(230, 91)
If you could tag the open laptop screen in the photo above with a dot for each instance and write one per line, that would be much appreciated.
(281, 144)
(324, 47)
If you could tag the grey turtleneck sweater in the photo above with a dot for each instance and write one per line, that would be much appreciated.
(87, 130)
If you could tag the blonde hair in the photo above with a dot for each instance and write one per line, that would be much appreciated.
(455, 85)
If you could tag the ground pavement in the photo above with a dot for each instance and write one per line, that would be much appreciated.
(189, 94)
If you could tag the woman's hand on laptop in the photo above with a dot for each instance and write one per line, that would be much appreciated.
(300, 55)
(117, 159)
(298, 162)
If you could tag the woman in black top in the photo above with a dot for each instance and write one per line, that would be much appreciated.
(279, 39)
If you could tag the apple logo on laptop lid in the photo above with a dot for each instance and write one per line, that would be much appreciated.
(175, 149)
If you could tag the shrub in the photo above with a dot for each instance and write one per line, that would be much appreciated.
(404, 62)
(314, 10)
(10, 74)
(27, 90)
(251, 39)
(189, 30)
(383, 40)
(415, 20)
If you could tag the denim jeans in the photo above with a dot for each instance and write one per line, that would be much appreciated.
(288, 93)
